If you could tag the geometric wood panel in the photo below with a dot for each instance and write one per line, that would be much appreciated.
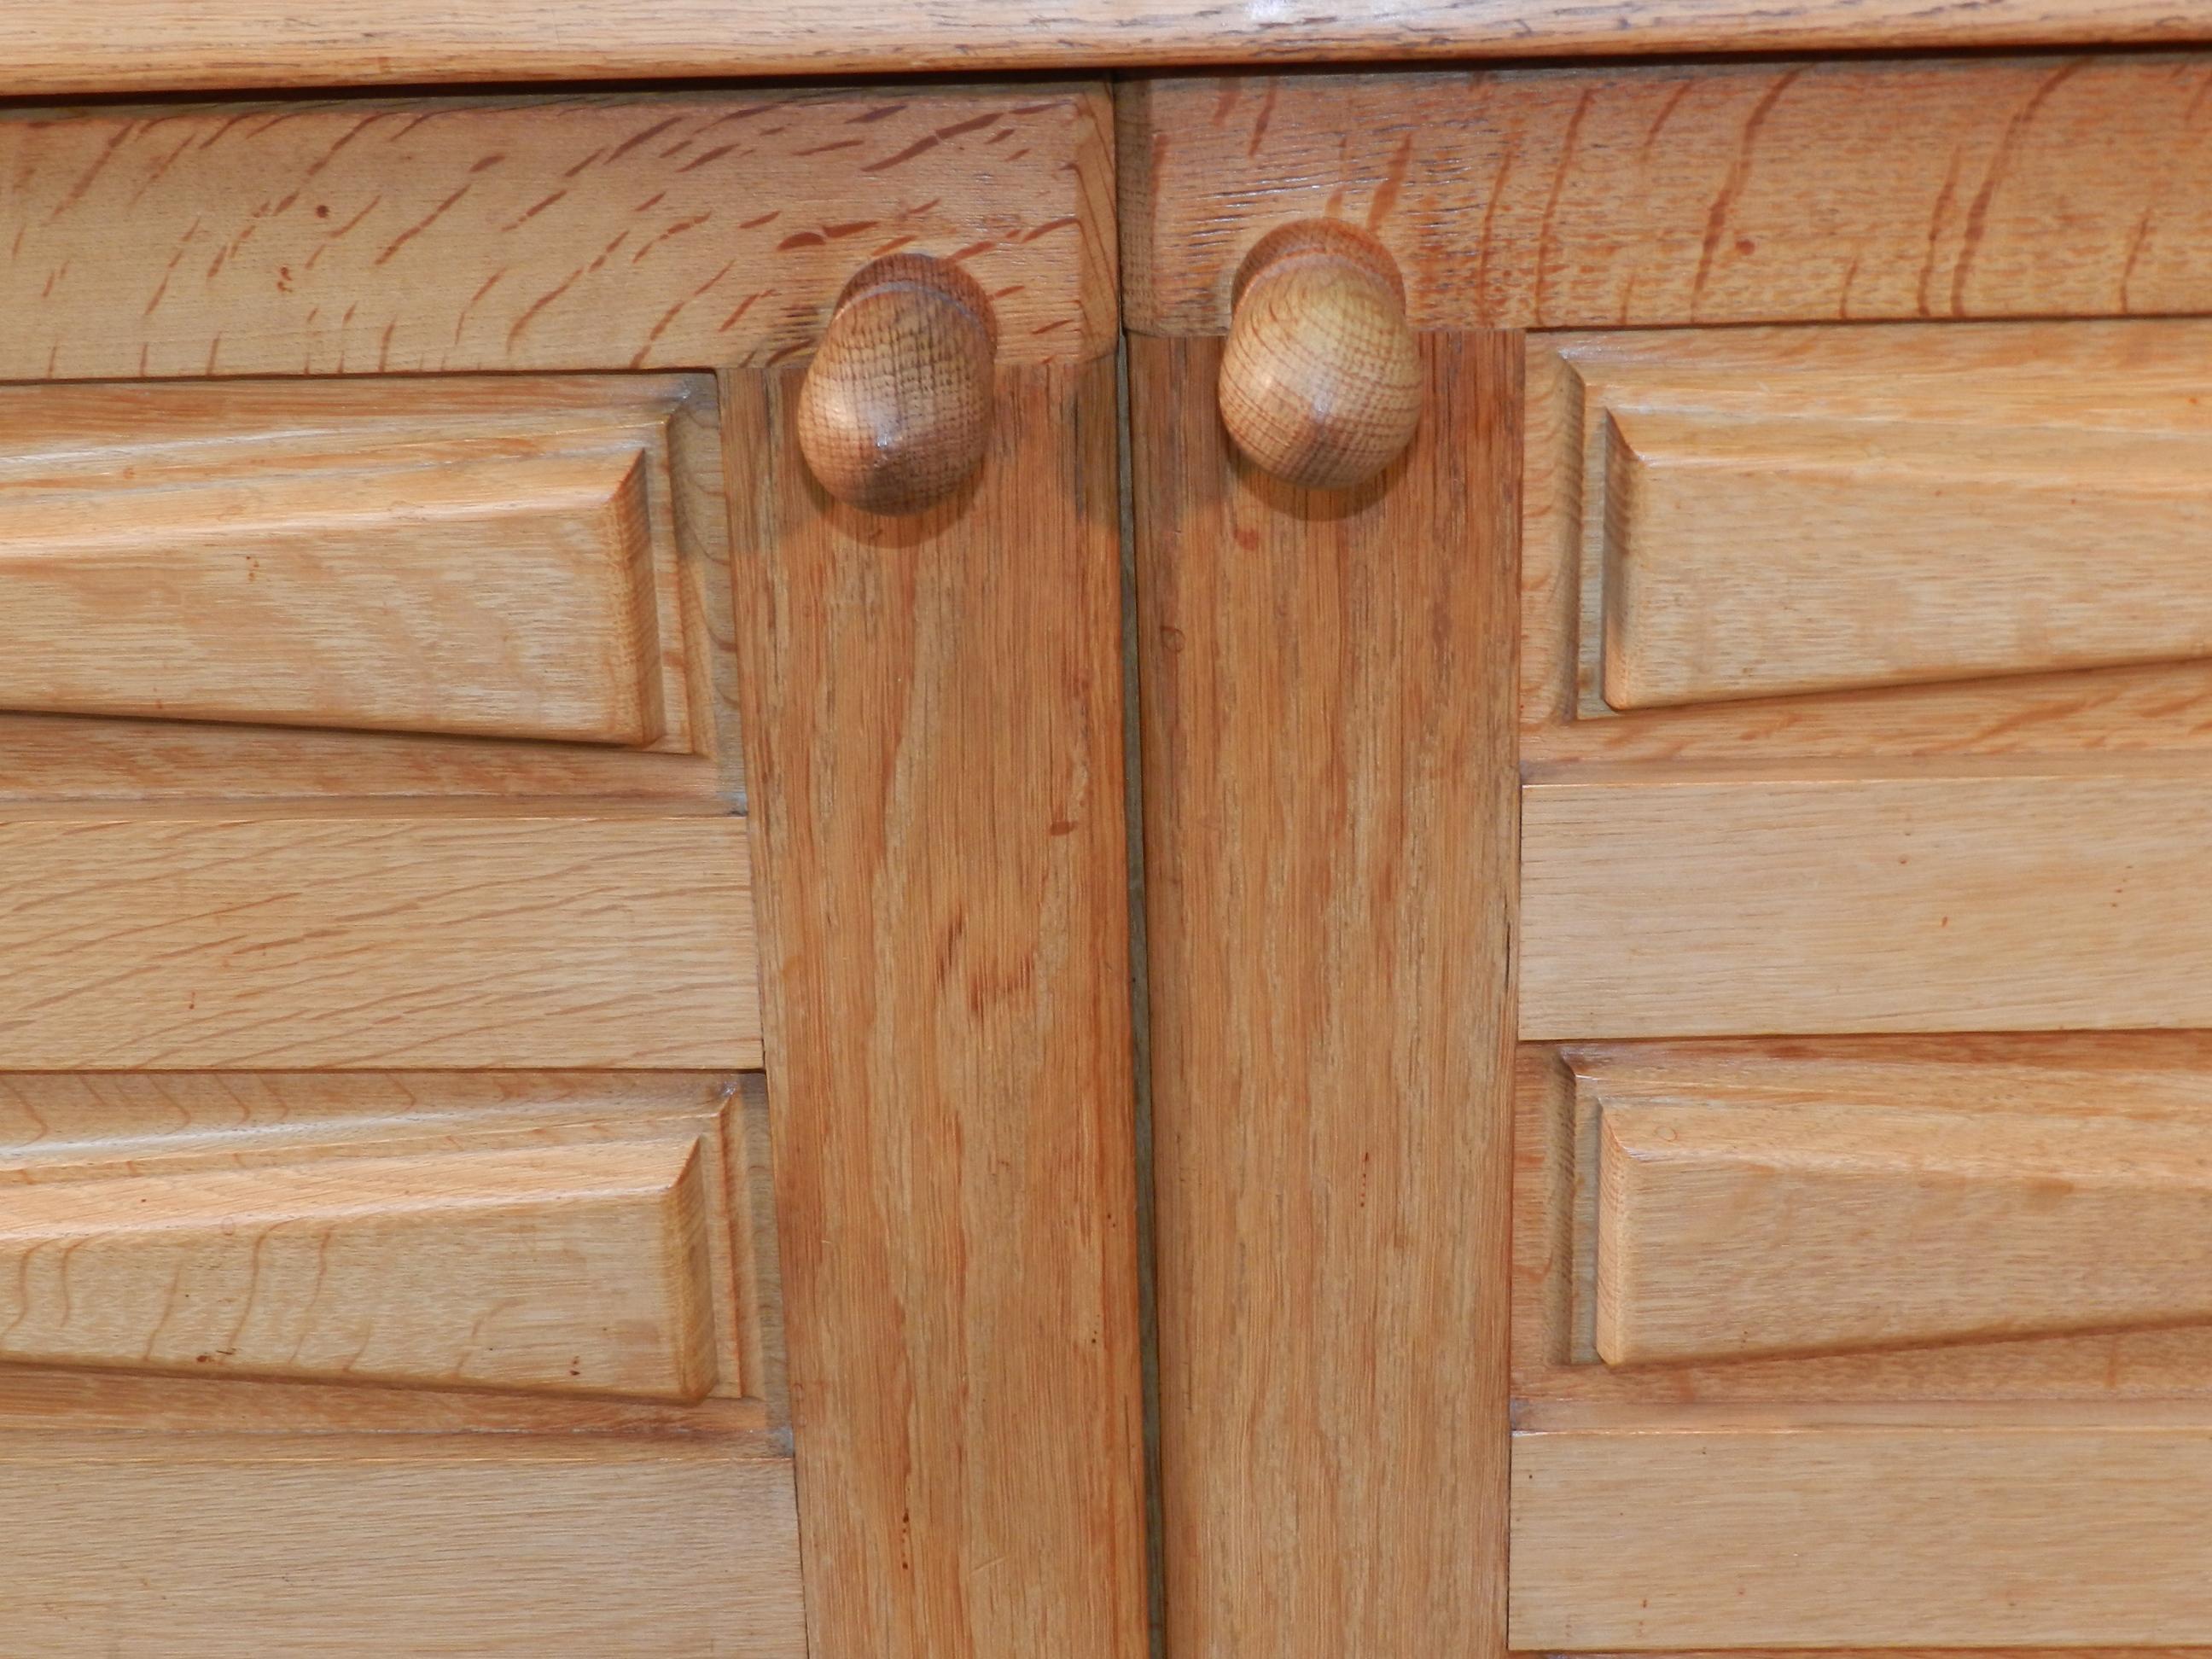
(183, 942)
(1727, 1228)
(1862, 1219)
(269, 589)
(1897, 541)
(581, 1268)
(578, 1235)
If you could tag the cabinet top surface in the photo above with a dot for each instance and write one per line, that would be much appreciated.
(70, 46)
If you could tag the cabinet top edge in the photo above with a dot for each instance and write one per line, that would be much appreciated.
(68, 47)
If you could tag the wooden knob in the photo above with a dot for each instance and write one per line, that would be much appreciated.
(1321, 385)
(895, 411)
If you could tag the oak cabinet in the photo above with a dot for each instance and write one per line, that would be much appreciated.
(579, 669)
(565, 1081)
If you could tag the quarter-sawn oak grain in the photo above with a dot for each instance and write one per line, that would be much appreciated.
(1329, 872)
(933, 711)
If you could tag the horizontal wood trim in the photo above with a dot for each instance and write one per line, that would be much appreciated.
(205, 1546)
(588, 232)
(2057, 898)
(1713, 193)
(177, 943)
(1680, 1534)
(85, 45)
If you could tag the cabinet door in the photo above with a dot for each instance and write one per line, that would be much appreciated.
(564, 1077)
(1837, 784)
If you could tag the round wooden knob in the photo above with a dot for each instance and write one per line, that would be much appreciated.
(895, 411)
(1320, 384)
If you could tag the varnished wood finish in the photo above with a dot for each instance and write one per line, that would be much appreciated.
(598, 232)
(204, 1548)
(1729, 1228)
(1955, 515)
(1965, 1528)
(1321, 381)
(1329, 858)
(365, 561)
(1996, 1091)
(50, 46)
(276, 564)
(1926, 899)
(895, 412)
(191, 941)
(1694, 193)
(934, 713)
(582, 1267)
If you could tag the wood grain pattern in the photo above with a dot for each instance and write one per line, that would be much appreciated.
(1804, 512)
(304, 465)
(593, 232)
(1695, 193)
(896, 410)
(509, 596)
(580, 1267)
(206, 1548)
(2123, 1083)
(1727, 1229)
(1971, 1532)
(1657, 904)
(1321, 381)
(1795, 557)
(187, 942)
(51, 47)
(1329, 857)
(935, 711)
(307, 1129)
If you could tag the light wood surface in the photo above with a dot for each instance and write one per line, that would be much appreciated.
(580, 1267)
(1607, 197)
(1774, 558)
(933, 710)
(1329, 857)
(208, 1547)
(1321, 381)
(93, 46)
(510, 596)
(191, 942)
(369, 552)
(594, 231)
(2129, 1086)
(300, 1136)
(1970, 1533)
(1780, 513)
(1729, 1228)
(1664, 904)
(895, 410)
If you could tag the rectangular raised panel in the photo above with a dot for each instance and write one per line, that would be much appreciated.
(581, 1268)
(509, 598)
(616, 231)
(1730, 1229)
(1673, 1532)
(1768, 544)
(389, 557)
(208, 1547)
(186, 942)
(2061, 897)
(1755, 555)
